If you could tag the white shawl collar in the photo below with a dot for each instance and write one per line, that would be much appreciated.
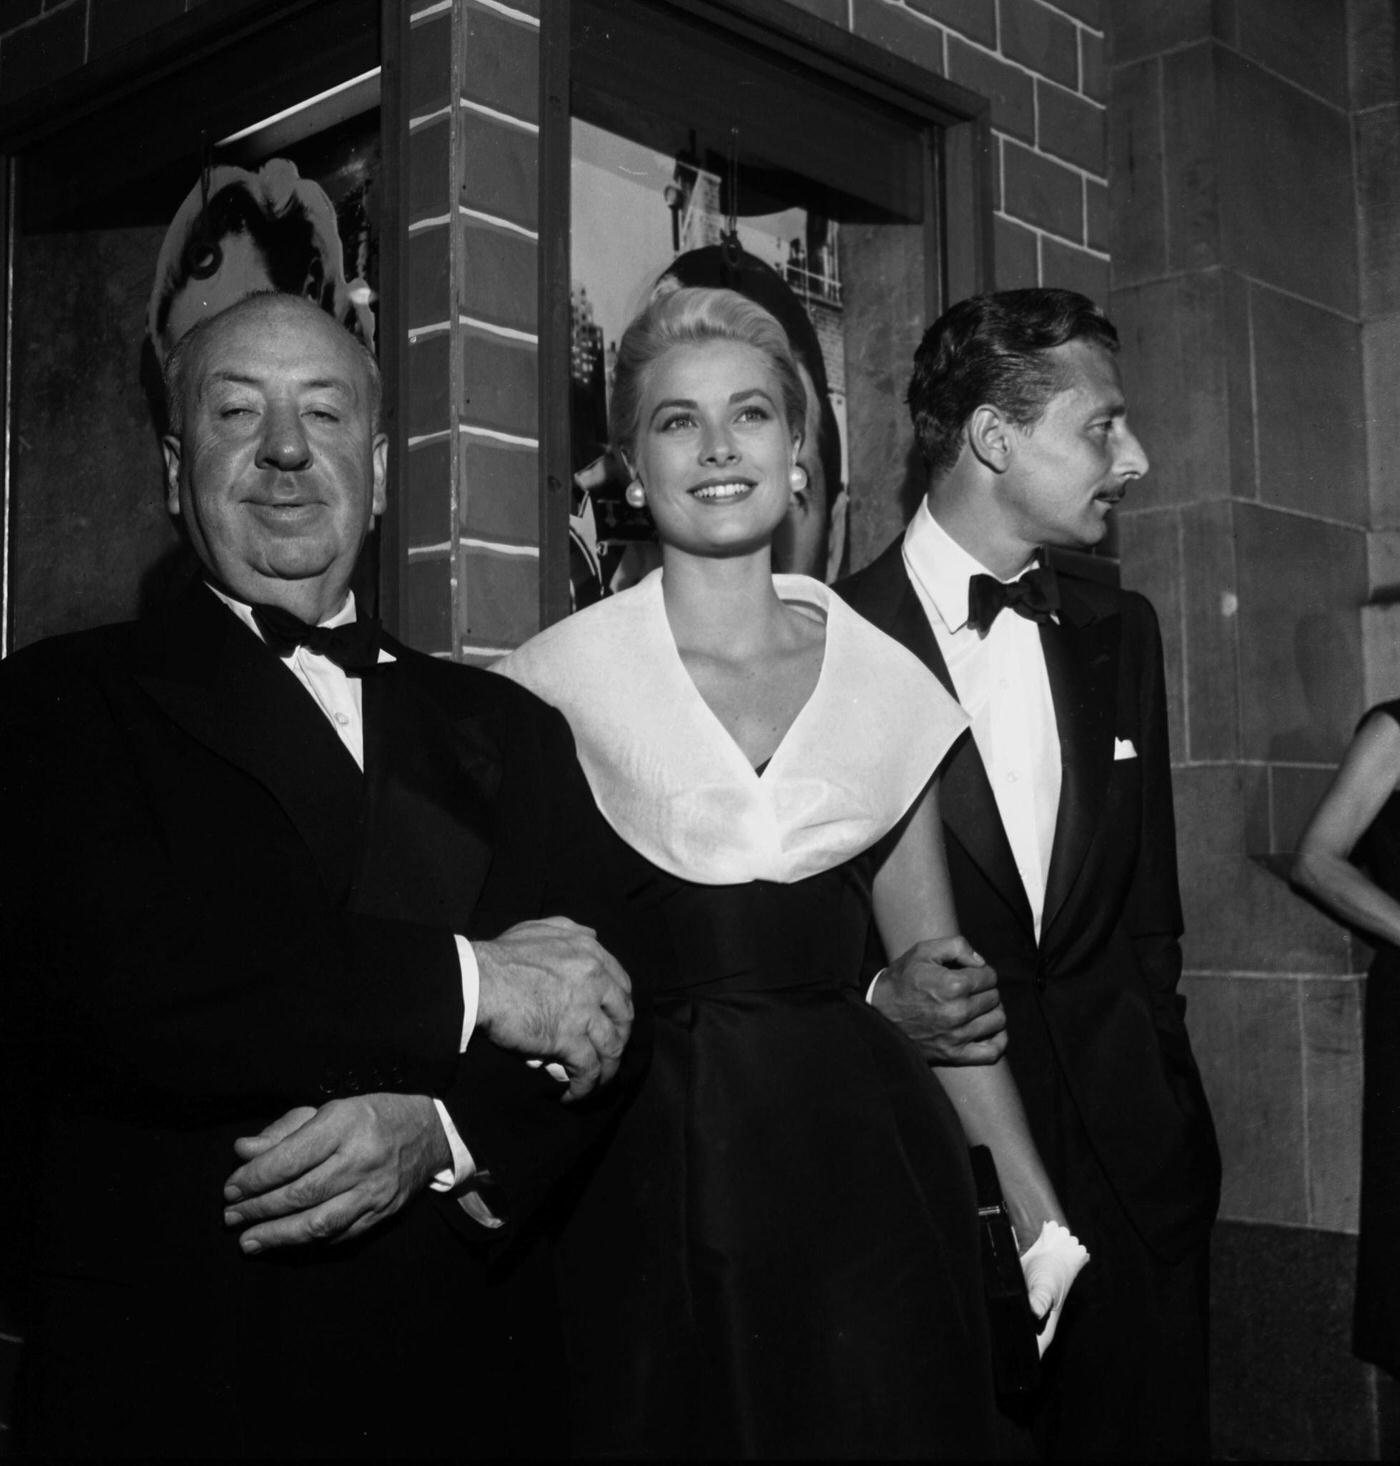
(672, 782)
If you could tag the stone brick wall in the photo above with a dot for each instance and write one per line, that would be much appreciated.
(1042, 67)
(1255, 284)
(1236, 289)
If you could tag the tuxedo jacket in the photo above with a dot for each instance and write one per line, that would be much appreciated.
(1094, 1019)
(213, 916)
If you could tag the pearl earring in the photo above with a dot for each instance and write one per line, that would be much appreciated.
(797, 478)
(636, 495)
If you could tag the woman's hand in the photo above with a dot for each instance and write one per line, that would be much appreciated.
(1050, 1265)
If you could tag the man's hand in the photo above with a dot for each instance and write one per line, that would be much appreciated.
(548, 990)
(945, 998)
(330, 1174)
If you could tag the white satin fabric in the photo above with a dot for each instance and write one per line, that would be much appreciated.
(672, 782)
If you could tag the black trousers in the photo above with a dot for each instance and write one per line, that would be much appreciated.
(1127, 1376)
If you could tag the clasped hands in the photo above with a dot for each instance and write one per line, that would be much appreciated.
(547, 991)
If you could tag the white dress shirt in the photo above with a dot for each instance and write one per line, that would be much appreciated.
(338, 696)
(1003, 686)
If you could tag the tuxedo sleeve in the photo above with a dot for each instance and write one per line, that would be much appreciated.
(1153, 911)
(209, 974)
(524, 1141)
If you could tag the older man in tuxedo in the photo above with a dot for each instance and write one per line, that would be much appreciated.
(262, 856)
(1057, 814)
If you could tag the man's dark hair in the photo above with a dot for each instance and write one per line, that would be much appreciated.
(992, 349)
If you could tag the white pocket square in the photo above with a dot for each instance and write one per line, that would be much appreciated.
(1123, 748)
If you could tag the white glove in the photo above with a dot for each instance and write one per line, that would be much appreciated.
(1050, 1264)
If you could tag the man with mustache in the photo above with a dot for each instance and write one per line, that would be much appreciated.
(1057, 815)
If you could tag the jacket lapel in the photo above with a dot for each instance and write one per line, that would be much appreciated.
(217, 681)
(965, 797)
(431, 782)
(1081, 659)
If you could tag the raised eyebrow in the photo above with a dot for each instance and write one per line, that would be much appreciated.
(688, 403)
(322, 384)
(235, 379)
(247, 379)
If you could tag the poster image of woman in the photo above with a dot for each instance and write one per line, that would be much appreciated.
(238, 232)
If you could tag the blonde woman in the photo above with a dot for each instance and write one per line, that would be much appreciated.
(777, 1254)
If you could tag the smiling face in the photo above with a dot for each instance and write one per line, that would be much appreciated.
(277, 472)
(1073, 465)
(713, 449)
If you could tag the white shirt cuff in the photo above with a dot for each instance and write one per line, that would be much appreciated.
(478, 1211)
(870, 991)
(463, 1166)
(471, 988)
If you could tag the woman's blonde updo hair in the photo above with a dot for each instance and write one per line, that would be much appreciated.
(690, 317)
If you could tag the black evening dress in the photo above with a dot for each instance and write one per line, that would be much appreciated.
(777, 1254)
(1377, 1335)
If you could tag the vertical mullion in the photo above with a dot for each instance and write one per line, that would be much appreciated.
(937, 243)
(966, 178)
(554, 316)
(393, 311)
(9, 182)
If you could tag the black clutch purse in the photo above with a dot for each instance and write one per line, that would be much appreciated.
(1015, 1352)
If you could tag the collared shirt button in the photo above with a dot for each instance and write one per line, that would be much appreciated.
(1011, 776)
(342, 718)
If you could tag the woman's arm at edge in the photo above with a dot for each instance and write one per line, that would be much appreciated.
(1322, 867)
(913, 900)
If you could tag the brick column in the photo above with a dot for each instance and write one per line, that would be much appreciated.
(471, 566)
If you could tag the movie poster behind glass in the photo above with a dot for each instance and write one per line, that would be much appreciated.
(298, 217)
(703, 155)
(637, 216)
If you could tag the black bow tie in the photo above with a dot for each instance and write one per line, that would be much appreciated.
(354, 646)
(1036, 596)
